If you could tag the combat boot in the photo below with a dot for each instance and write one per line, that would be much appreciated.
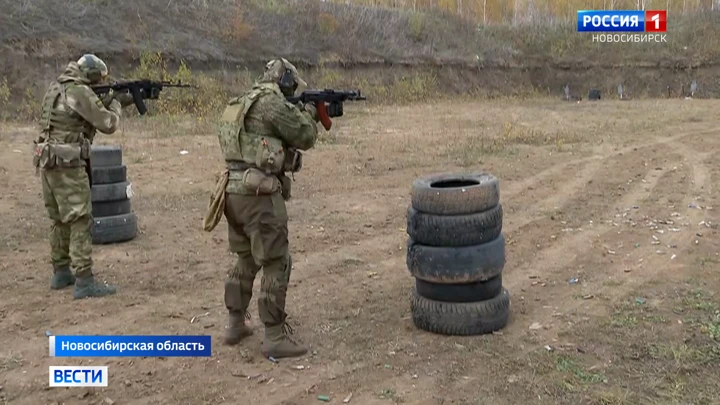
(62, 277)
(237, 330)
(87, 287)
(277, 344)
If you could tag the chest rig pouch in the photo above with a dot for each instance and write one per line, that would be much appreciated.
(51, 154)
(270, 156)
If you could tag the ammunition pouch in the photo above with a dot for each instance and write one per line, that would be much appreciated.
(270, 155)
(258, 181)
(51, 155)
(41, 156)
(285, 186)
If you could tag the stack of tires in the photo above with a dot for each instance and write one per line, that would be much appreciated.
(456, 252)
(113, 218)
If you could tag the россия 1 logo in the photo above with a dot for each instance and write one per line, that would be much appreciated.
(650, 22)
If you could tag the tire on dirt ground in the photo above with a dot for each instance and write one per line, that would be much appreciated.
(454, 230)
(461, 318)
(111, 208)
(456, 265)
(468, 292)
(118, 228)
(109, 174)
(105, 155)
(109, 192)
(455, 193)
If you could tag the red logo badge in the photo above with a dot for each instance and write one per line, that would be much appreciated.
(656, 21)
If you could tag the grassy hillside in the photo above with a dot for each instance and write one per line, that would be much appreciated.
(234, 31)
(396, 53)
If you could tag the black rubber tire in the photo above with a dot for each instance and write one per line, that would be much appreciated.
(111, 208)
(109, 174)
(455, 193)
(469, 292)
(109, 192)
(458, 318)
(105, 155)
(118, 228)
(456, 265)
(454, 230)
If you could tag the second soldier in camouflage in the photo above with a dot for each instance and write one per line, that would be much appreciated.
(260, 135)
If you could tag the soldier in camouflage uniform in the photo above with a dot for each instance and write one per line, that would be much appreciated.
(260, 136)
(71, 114)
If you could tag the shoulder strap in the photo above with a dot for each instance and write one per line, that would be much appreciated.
(252, 97)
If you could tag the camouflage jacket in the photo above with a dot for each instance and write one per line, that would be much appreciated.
(262, 118)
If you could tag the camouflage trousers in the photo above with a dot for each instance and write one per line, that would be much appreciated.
(67, 199)
(258, 234)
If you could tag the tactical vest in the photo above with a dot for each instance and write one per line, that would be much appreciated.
(264, 152)
(67, 121)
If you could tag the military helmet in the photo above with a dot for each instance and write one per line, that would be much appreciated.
(284, 74)
(93, 67)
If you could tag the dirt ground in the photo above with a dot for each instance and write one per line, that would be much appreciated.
(612, 262)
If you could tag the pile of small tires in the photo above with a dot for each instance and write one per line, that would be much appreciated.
(113, 218)
(456, 252)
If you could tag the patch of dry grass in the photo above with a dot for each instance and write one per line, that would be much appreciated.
(635, 356)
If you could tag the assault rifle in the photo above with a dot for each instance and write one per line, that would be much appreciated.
(329, 103)
(143, 89)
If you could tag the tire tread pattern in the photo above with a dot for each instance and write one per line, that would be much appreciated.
(455, 200)
(109, 192)
(109, 174)
(105, 155)
(111, 208)
(455, 230)
(119, 228)
(467, 292)
(456, 265)
(461, 319)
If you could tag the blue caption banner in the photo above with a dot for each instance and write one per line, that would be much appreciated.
(610, 21)
(130, 346)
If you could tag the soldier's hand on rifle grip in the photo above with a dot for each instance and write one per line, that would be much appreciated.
(312, 110)
(125, 98)
(108, 98)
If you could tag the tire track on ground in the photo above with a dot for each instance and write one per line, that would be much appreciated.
(517, 187)
(677, 238)
(550, 261)
(569, 188)
(674, 240)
